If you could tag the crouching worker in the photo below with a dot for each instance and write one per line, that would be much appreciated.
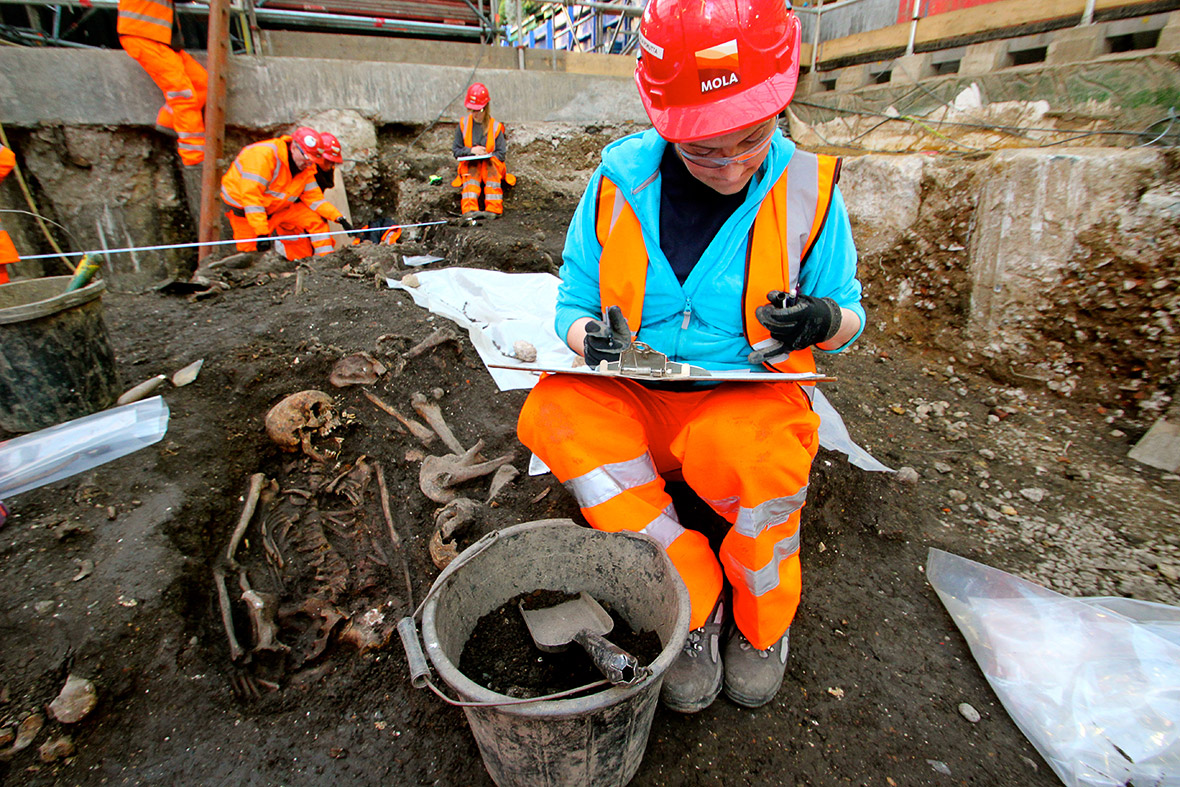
(717, 242)
(271, 189)
(479, 134)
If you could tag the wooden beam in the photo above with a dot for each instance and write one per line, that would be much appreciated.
(218, 48)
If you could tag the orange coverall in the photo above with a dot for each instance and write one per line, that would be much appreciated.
(476, 173)
(145, 32)
(264, 197)
(8, 253)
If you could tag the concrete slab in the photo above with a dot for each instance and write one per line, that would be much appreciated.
(1076, 45)
(912, 68)
(984, 58)
(853, 78)
(1160, 447)
(1169, 40)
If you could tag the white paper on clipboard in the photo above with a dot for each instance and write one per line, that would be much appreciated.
(474, 158)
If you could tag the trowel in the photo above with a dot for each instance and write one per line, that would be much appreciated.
(584, 621)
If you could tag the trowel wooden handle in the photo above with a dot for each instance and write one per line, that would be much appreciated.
(616, 664)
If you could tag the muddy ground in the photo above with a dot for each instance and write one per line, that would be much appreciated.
(110, 575)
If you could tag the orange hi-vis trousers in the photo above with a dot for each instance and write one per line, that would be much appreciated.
(8, 255)
(184, 83)
(744, 448)
(473, 177)
(294, 220)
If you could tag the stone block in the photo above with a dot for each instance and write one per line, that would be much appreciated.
(853, 78)
(1170, 34)
(984, 58)
(912, 68)
(1076, 45)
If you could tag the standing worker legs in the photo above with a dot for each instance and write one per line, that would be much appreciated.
(174, 73)
(8, 255)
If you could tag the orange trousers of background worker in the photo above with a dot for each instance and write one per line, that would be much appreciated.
(8, 254)
(298, 219)
(490, 174)
(744, 448)
(184, 83)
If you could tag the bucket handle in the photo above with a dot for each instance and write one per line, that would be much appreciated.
(407, 631)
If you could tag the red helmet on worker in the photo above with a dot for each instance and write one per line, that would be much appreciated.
(307, 139)
(477, 97)
(714, 66)
(330, 148)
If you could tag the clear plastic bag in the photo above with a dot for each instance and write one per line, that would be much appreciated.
(1093, 683)
(49, 455)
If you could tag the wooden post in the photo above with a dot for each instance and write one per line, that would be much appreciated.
(218, 49)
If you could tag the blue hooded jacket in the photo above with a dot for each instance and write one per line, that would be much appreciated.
(699, 322)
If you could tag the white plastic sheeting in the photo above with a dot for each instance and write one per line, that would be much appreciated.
(1093, 683)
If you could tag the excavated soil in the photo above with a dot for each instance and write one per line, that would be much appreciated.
(111, 575)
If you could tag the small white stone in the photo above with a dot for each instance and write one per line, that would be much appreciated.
(1034, 494)
(907, 475)
(76, 700)
(969, 713)
(524, 351)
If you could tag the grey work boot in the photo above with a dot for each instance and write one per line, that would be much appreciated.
(694, 679)
(753, 677)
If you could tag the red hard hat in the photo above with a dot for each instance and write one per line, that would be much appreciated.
(330, 148)
(477, 97)
(308, 140)
(710, 67)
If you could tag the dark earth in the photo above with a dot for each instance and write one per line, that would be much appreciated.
(110, 575)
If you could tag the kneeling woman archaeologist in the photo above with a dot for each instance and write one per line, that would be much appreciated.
(716, 241)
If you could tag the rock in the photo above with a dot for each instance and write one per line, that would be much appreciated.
(940, 767)
(77, 698)
(56, 749)
(524, 351)
(186, 375)
(987, 454)
(942, 467)
(1034, 494)
(957, 496)
(44, 607)
(907, 475)
(1008, 510)
(969, 713)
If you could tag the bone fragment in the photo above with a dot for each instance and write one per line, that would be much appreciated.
(432, 414)
(75, 700)
(439, 473)
(227, 615)
(449, 520)
(502, 478)
(25, 734)
(440, 336)
(424, 435)
(394, 537)
(141, 391)
(256, 482)
(261, 608)
(188, 374)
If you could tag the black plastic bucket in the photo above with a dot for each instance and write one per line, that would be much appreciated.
(56, 362)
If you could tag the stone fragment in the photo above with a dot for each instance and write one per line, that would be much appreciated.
(968, 712)
(957, 496)
(56, 749)
(942, 467)
(987, 454)
(188, 374)
(1034, 494)
(77, 698)
(907, 475)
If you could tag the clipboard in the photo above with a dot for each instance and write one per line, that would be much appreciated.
(474, 158)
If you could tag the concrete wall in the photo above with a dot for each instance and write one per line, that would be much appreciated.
(92, 87)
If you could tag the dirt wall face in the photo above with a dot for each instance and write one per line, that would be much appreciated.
(112, 188)
(1055, 266)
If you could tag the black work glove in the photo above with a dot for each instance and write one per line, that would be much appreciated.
(604, 342)
(345, 223)
(263, 244)
(799, 322)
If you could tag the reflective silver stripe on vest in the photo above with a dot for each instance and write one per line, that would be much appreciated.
(309, 185)
(608, 481)
(751, 522)
(254, 209)
(228, 200)
(186, 93)
(616, 209)
(190, 146)
(763, 580)
(802, 196)
(771, 345)
(145, 18)
(250, 175)
(665, 528)
(316, 205)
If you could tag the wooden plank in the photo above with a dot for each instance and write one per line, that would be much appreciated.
(994, 16)
(886, 38)
(218, 62)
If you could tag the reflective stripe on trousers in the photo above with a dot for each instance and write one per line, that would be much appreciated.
(746, 448)
(292, 220)
(184, 83)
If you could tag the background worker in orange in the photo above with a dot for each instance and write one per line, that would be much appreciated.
(271, 188)
(148, 33)
(479, 134)
(8, 254)
(717, 242)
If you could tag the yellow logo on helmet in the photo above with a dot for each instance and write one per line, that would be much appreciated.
(717, 66)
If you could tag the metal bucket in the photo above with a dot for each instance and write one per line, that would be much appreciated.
(597, 739)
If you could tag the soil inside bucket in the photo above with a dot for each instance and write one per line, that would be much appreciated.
(501, 656)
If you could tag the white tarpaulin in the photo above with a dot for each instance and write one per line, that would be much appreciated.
(498, 309)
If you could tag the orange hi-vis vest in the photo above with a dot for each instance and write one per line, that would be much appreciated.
(495, 129)
(150, 19)
(260, 183)
(782, 235)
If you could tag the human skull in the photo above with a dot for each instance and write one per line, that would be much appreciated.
(291, 422)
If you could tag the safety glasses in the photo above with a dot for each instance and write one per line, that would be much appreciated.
(717, 162)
